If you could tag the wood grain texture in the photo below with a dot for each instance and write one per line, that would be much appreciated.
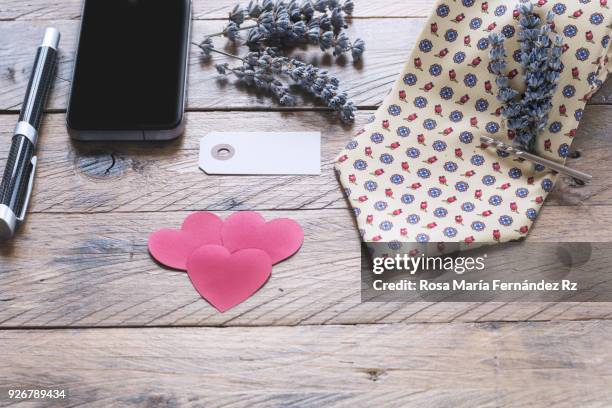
(84, 307)
(565, 364)
(78, 177)
(12, 10)
(83, 270)
(367, 82)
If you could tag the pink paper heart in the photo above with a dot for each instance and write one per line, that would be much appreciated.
(279, 238)
(227, 279)
(173, 247)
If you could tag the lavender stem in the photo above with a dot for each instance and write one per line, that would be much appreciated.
(220, 52)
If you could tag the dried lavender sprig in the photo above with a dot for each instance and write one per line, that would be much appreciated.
(261, 69)
(315, 81)
(541, 78)
(281, 24)
(261, 80)
(540, 57)
(299, 10)
(318, 83)
(506, 94)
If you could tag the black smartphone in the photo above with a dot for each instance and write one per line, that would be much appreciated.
(130, 74)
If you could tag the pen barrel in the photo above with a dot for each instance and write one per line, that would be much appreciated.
(15, 181)
(39, 86)
(18, 176)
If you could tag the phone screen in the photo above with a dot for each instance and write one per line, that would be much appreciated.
(130, 68)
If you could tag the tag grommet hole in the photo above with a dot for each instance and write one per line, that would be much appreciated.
(223, 152)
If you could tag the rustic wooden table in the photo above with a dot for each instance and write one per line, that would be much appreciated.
(83, 307)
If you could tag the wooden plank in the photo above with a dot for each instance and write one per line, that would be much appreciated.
(458, 365)
(11, 10)
(94, 270)
(367, 82)
(79, 177)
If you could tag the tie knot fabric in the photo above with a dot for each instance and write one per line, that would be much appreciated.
(418, 172)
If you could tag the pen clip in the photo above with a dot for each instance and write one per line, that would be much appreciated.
(29, 193)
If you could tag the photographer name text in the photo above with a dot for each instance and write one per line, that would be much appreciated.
(497, 285)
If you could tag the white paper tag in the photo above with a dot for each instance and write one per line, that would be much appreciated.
(261, 153)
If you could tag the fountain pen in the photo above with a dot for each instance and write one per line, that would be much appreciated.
(18, 178)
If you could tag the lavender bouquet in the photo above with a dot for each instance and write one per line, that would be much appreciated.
(274, 26)
(540, 56)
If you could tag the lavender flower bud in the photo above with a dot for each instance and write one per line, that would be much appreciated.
(207, 46)
(319, 85)
(529, 21)
(512, 111)
(348, 7)
(278, 64)
(288, 100)
(328, 93)
(506, 94)
(222, 68)
(291, 38)
(358, 49)
(237, 15)
(267, 5)
(502, 81)
(273, 52)
(326, 39)
(295, 11)
(313, 35)
(282, 20)
(347, 112)
(232, 31)
(299, 29)
(325, 23)
(338, 101)
(341, 44)
(254, 36)
(320, 5)
(498, 66)
(497, 39)
(281, 92)
(497, 54)
(308, 10)
(266, 19)
(314, 23)
(337, 19)
(254, 9)
(249, 75)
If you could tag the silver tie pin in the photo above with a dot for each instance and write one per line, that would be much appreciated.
(559, 168)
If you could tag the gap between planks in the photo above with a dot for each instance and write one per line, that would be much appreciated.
(355, 324)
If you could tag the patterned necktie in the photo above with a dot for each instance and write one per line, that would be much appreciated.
(418, 172)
